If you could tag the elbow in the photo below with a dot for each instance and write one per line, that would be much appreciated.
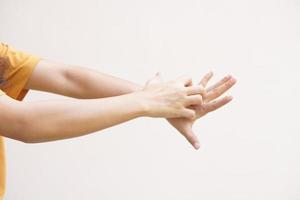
(27, 134)
(18, 122)
(24, 130)
(26, 139)
(32, 132)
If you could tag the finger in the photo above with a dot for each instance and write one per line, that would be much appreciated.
(158, 76)
(155, 79)
(151, 80)
(222, 81)
(193, 100)
(188, 113)
(192, 138)
(195, 89)
(185, 80)
(206, 78)
(214, 105)
(215, 93)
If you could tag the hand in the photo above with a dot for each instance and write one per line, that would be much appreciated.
(209, 96)
(170, 99)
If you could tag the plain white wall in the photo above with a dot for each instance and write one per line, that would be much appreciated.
(250, 148)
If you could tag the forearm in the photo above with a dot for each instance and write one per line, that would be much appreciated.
(85, 83)
(61, 119)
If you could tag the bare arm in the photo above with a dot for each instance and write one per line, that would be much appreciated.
(77, 81)
(53, 120)
(84, 83)
(60, 119)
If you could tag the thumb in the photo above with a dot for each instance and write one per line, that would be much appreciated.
(155, 79)
(158, 77)
(192, 138)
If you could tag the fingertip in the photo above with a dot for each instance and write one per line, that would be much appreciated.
(196, 145)
(228, 76)
(210, 74)
(229, 98)
(230, 79)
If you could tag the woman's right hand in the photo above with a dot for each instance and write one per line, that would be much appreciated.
(170, 99)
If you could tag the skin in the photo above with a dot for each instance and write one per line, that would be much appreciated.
(102, 101)
(209, 103)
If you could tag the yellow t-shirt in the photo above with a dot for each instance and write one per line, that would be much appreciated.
(17, 74)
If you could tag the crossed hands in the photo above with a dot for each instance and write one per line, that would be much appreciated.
(182, 103)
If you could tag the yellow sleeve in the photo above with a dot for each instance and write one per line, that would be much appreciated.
(20, 68)
(1, 92)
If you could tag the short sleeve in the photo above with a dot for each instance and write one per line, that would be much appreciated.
(21, 66)
(1, 93)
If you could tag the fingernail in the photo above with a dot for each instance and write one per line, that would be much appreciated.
(196, 145)
(229, 98)
(233, 80)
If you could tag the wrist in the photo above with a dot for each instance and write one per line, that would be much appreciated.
(141, 107)
(135, 87)
(141, 102)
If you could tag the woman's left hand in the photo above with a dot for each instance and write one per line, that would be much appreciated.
(209, 104)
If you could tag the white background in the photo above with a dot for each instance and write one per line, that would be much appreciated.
(250, 149)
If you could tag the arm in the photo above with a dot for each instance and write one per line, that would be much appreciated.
(53, 120)
(77, 82)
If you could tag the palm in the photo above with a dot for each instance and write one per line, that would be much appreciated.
(209, 104)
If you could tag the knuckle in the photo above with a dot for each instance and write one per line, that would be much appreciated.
(228, 84)
(205, 107)
(196, 89)
(200, 88)
(213, 107)
(192, 114)
(181, 91)
(199, 98)
(215, 90)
